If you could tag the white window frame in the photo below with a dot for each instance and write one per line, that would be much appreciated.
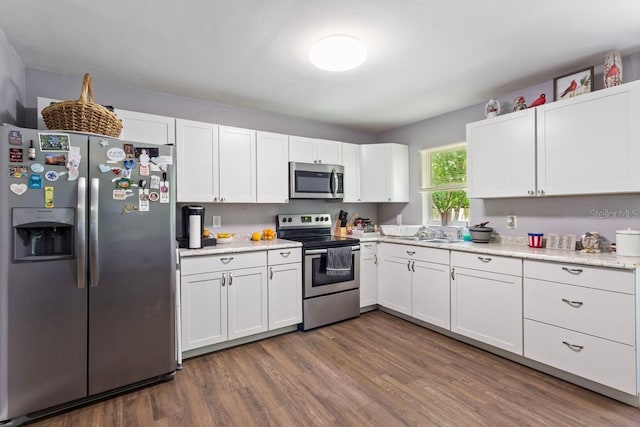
(425, 182)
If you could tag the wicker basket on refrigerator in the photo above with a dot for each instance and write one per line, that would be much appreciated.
(82, 115)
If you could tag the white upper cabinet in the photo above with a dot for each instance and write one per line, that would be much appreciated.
(384, 172)
(582, 145)
(197, 161)
(136, 127)
(351, 162)
(313, 150)
(215, 163)
(590, 144)
(272, 167)
(501, 156)
(149, 128)
(237, 162)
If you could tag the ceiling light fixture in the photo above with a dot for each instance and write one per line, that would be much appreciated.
(338, 53)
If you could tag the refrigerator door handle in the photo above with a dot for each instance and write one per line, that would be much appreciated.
(93, 232)
(81, 233)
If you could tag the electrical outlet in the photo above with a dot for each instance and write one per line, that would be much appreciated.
(512, 222)
(217, 221)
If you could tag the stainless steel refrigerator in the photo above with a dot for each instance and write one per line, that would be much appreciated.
(87, 268)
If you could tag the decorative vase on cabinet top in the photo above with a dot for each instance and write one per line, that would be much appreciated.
(492, 108)
(612, 73)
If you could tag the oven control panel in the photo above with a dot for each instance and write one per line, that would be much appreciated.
(304, 220)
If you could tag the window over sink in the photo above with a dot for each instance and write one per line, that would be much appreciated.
(443, 184)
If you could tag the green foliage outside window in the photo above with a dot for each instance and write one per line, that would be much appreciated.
(447, 168)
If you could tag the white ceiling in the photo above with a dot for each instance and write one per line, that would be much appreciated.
(426, 57)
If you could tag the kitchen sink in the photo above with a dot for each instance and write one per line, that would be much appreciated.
(440, 240)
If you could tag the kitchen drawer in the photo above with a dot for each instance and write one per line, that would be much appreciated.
(438, 256)
(284, 256)
(482, 262)
(231, 261)
(368, 248)
(605, 362)
(605, 314)
(592, 277)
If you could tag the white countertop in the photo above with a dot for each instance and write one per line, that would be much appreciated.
(240, 245)
(605, 259)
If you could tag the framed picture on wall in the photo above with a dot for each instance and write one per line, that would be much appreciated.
(573, 84)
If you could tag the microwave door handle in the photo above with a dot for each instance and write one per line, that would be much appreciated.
(334, 182)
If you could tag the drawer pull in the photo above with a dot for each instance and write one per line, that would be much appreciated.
(575, 304)
(573, 347)
(411, 253)
(367, 246)
(575, 271)
(285, 254)
(226, 260)
(484, 259)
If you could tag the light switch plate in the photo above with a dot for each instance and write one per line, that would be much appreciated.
(512, 222)
(217, 222)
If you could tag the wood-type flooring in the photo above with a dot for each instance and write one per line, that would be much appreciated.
(375, 370)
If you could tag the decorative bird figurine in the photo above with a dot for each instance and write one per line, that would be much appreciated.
(572, 87)
(539, 101)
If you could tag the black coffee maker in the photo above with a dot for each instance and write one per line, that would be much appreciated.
(191, 213)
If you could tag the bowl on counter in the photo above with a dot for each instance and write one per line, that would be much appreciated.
(400, 230)
(480, 234)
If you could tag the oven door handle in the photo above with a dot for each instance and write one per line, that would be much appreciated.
(324, 251)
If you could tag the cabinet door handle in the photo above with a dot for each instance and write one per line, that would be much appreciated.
(375, 259)
(413, 266)
(226, 260)
(285, 254)
(574, 347)
(409, 265)
(541, 192)
(230, 279)
(453, 271)
(575, 271)
(484, 259)
(270, 273)
(575, 304)
(411, 253)
(224, 280)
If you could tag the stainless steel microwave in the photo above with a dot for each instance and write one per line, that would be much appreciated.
(315, 181)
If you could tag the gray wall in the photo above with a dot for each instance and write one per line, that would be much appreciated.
(12, 84)
(574, 215)
(238, 218)
(63, 86)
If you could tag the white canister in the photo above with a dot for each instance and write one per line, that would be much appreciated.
(628, 242)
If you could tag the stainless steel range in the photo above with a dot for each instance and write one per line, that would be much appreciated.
(331, 268)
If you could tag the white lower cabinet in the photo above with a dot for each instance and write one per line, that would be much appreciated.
(581, 319)
(430, 293)
(368, 274)
(415, 281)
(223, 297)
(203, 306)
(486, 303)
(285, 287)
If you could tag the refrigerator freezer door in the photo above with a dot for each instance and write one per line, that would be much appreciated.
(132, 299)
(43, 312)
